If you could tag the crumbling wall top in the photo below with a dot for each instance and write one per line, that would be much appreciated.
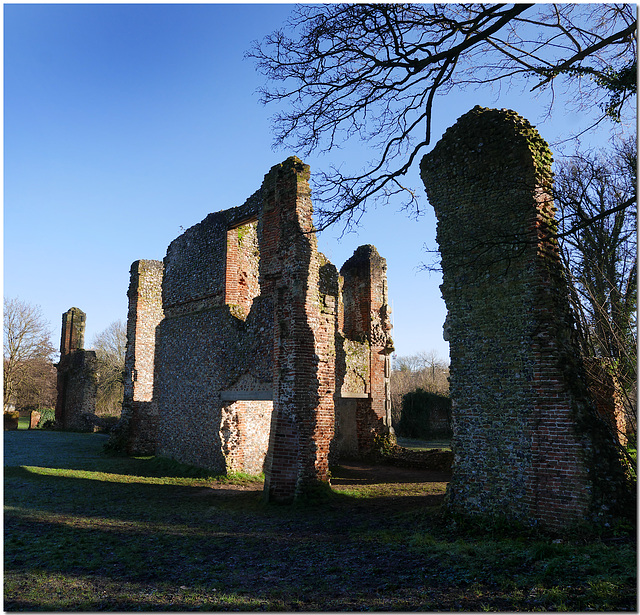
(195, 262)
(73, 325)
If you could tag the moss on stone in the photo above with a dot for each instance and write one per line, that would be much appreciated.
(524, 441)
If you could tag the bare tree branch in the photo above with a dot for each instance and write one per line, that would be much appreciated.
(372, 72)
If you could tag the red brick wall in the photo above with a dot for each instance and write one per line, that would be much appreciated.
(304, 341)
(242, 267)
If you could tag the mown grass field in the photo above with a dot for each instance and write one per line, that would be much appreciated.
(86, 532)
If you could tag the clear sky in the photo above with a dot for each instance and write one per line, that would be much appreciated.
(125, 124)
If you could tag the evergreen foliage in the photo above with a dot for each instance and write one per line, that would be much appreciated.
(425, 415)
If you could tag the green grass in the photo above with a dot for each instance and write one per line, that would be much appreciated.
(424, 445)
(88, 532)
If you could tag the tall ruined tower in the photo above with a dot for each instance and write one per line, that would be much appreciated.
(363, 365)
(527, 442)
(77, 381)
(73, 325)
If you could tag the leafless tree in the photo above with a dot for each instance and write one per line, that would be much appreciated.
(372, 72)
(38, 389)
(27, 343)
(601, 257)
(110, 348)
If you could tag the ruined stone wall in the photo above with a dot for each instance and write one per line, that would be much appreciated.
(525, 442)
(304, 338)
(77, 390)
(250, 344)
(208, 352)
(244, 434)
(139, 412)
(365, 344)
(77, 376)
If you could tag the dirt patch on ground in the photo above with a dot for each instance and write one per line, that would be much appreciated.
(390, 481)
(355, 473)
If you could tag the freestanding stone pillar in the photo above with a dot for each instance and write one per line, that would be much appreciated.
(73, 324)
(139, 411)
(77, 383)
(527, 443)
(367, 328)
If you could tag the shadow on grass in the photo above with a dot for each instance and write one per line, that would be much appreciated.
(74, 542)
(85, 532)
(85, 452)
(37, 493)
(212, 557)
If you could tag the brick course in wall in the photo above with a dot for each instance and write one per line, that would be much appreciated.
(250, 361)
(524, 439)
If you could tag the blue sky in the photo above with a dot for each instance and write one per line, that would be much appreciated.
(124, 124)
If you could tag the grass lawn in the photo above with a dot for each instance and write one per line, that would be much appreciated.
(86, 532)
